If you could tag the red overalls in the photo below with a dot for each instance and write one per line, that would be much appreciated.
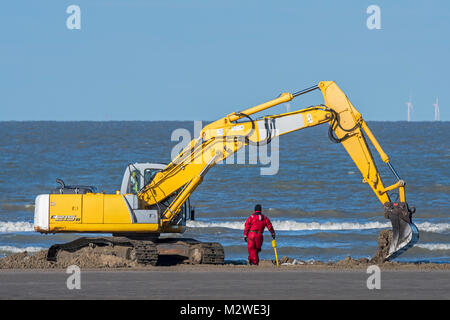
(254, 228)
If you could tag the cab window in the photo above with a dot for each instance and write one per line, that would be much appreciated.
(134, 184)
(149, 174)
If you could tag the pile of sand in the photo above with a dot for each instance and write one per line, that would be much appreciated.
(384, 242)
(88, 257)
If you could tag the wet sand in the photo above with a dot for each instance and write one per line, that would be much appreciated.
(346, 279)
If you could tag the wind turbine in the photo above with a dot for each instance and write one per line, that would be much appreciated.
(437, 116)
(410, 108)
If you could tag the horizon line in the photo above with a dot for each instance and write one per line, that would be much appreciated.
(189, 120)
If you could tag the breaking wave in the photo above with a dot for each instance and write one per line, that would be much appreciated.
(433, 227)
(20, 226)
(289, 225)
(286, 225)
(10, 249)
(434, 246)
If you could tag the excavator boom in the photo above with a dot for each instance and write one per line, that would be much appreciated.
(226, 136)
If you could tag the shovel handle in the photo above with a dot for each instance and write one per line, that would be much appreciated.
(274, 245)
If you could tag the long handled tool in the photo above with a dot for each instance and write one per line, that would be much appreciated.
(274, 245)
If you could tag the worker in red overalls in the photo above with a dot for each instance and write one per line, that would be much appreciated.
(253, 233)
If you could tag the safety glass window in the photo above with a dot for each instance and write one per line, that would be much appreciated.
(134, 184)
(149, 174)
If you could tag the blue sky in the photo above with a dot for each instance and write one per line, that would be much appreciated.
(192, 60)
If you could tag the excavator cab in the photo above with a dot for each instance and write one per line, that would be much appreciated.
(139, 175)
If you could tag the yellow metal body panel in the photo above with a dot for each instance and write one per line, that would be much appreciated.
(115, 209)
(94, 212)
(92, 208)
(65, 209)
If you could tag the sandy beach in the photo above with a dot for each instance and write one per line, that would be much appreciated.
(227, 282)
(104, 276)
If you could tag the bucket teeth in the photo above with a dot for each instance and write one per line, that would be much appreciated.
(404, 233)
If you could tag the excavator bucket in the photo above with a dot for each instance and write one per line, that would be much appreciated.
(404, 233)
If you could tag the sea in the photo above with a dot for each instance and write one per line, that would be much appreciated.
(313, 194)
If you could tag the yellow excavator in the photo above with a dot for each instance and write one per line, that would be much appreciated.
(154, 199)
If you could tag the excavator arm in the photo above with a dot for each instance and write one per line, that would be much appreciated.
(222, 138)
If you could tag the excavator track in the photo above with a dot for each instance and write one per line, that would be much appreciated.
(211, 253)
(191, 251)
(80, 243)
(147, 252)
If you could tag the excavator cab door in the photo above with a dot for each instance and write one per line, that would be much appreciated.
(134, 182)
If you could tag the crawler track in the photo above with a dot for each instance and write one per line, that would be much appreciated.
(146, 252)
(211, 253)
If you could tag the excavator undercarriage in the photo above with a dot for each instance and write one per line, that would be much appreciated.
(151, 251)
